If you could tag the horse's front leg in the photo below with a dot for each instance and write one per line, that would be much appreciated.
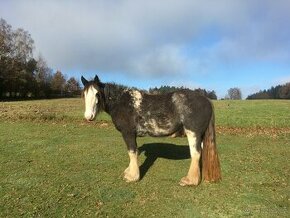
(131, 174)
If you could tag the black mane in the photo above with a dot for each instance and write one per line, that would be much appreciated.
(112, 94)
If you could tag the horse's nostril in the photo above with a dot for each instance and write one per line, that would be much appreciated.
(90, 117)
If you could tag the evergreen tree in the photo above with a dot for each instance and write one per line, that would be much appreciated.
(277, 92)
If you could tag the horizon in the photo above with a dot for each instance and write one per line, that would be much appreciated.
(213, 46)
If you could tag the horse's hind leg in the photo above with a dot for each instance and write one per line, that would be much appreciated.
(193, 175)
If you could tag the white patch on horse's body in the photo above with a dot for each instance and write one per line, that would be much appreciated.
(153, 128)
(193, 175)
(137, 99)
(91, 101)
(157, 130)
(177, 97)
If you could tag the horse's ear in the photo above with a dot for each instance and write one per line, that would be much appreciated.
(84, 81)
(97, 80)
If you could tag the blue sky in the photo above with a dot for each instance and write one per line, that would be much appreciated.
(214, 45)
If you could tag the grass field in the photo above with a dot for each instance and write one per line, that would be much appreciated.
(54, 164)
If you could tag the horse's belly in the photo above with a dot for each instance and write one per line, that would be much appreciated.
(152, 127)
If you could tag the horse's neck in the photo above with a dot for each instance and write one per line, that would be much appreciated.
(112, 94)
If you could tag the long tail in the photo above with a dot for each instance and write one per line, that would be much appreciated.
(211, 169)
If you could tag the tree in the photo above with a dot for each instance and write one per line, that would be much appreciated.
(23, 45)
(5, 48)
(277, 92)
(23, 76)
(212, 95)
(284, 91)
(43, 77)
(16, 63)
(58, 83)
(166, 89)
(234, 94)
(5, 39)
(72, 87)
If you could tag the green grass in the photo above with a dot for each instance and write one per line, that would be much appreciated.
(254, 113)
(53, 164)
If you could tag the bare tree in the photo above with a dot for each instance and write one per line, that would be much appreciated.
(5, 39)
(43, 77)
(16, 63)
(58, 83)
(5, 48)
(234, 94)
(23, 45)
(43, 72)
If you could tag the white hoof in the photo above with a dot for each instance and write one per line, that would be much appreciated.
(131, 176)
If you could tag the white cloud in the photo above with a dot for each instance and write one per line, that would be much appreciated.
(162, 60)
(148, 37)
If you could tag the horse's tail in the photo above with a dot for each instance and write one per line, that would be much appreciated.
(211, 169)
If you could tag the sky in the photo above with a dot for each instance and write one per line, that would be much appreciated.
(215, 45)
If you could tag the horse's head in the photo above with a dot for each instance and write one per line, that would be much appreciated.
(92, 95)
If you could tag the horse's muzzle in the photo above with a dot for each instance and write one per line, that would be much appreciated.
(90, 116)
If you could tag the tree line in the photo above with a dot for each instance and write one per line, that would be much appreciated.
(166, 89)
(22, 75)
(277, 92)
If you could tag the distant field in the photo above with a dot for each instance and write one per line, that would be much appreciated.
(254, 113)
(54, 164)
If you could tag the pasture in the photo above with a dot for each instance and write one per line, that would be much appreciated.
(55, 164)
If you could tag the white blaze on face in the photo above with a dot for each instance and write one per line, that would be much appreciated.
(91, 101)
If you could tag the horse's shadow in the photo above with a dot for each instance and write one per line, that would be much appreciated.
(152, 151)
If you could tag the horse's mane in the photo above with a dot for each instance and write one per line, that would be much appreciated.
(115, 91)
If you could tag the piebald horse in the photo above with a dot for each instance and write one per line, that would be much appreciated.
(136, 113)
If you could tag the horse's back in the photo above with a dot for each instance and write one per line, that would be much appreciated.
(181, 101)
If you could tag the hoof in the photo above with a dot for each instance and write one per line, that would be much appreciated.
(131, 177)
(185, 181)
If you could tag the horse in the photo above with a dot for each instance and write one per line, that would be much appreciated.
(136, 113)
